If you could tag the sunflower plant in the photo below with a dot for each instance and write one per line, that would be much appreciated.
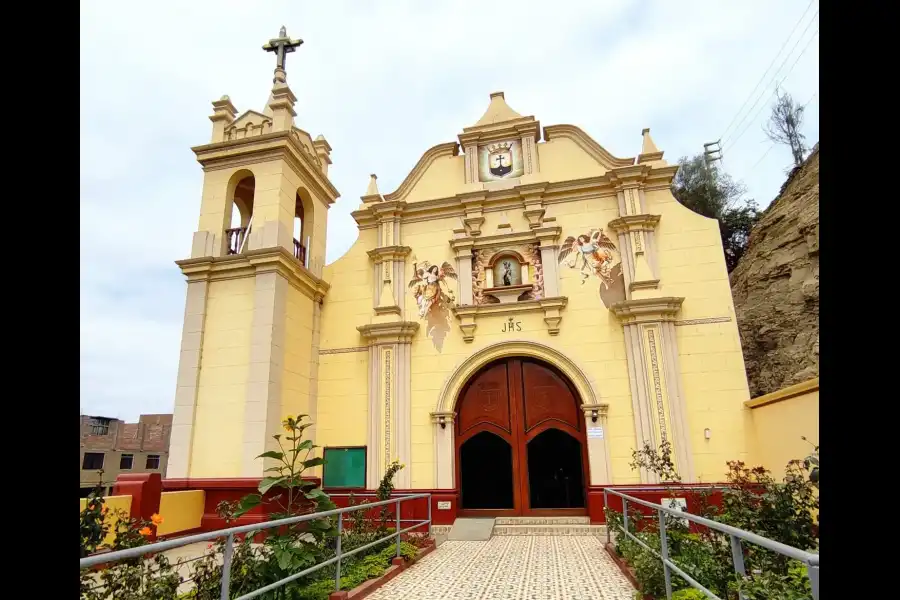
(299, 545)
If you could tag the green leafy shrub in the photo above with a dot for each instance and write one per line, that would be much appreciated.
(255, 562)
(783, 511)
(688, 594)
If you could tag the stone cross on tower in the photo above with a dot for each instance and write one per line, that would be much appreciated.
(281, 46)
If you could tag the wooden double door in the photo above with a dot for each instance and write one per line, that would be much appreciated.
(520, 442)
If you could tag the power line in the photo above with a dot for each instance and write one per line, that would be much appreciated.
(778, 70)
(750, 95)
(775, 91)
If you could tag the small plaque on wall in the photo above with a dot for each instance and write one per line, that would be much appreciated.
(443, 505)
(595, 432)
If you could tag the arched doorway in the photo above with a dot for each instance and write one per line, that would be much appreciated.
(520, 442)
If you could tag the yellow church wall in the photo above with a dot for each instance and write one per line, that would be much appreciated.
(562, 159)
(224, 368)
(443, 177)
(343, 381)
(778, 423)
(297, 354)
(691, 265)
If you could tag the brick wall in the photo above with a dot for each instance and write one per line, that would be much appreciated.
(149, 436)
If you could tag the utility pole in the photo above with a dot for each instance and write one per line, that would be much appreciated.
(712, 152)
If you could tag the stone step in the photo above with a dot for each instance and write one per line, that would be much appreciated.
(543, 521)
(565, 529)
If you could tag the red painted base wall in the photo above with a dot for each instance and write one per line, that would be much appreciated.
(145, 491)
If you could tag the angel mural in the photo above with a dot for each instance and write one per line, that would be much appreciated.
(427, 283)
(594, 253)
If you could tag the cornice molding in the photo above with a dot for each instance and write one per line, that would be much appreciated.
(432, 154)
(478, 135)
(468, 314)
(647, 310)
(270, 146)
(792, 391)
(252, 262)
(588, 144)
(398, 332)
(546, 233)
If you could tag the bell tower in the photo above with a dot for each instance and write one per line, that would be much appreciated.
(249, 349)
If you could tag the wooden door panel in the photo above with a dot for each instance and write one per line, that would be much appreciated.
(485, 401)
(548, 399)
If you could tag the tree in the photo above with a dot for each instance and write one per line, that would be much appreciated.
(784, 124)
(713, 193)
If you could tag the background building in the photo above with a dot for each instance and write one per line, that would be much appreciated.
(115, 447)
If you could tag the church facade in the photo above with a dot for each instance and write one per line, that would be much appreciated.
(518, 316)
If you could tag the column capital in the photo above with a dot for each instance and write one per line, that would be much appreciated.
(379, 255)
(398, 332)
(600, 410)
(631, 223)
(443, 418)
(647, 310)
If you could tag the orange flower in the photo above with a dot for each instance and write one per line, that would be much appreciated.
(145, 531)
(156, 519)
(103, 510)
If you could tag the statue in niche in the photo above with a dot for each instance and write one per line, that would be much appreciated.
(507, 272)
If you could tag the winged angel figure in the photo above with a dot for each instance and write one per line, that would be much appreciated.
(427, 285)
(596, 251)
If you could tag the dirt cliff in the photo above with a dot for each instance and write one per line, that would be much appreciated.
(776, 286)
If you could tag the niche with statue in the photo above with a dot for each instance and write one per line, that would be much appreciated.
(506, 275)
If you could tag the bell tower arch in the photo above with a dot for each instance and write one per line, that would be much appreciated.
(249, 352)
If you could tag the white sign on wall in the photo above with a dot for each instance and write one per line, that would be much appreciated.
(595, 432)
(676, 503)
(443, 505)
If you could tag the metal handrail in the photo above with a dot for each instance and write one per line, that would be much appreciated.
(155, 547)
(735, 535)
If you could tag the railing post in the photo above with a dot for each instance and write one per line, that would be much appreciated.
(606, 515)
(625, 513)
(737, 557)
(429, 515)
(397, 532)
(664, 551)
(813, 573)
(226, 568)
(337, 573)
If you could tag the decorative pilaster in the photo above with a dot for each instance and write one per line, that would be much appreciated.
(595, 419)
(636, 230)
(444, 453)
(463, 249)
(548, 238)
(390, 420)
(180, 440)
(262, 409)
(658, 402)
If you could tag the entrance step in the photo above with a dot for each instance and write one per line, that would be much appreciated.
(471, 530)
(543, 521)
(547, 526)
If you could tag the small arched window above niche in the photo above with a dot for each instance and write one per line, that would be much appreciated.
(508, 278)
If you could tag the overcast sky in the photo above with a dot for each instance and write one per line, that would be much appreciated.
(384, 81)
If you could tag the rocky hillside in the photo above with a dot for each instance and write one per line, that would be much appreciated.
(776, 286)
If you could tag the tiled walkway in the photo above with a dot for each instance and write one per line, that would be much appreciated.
(513, 567)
